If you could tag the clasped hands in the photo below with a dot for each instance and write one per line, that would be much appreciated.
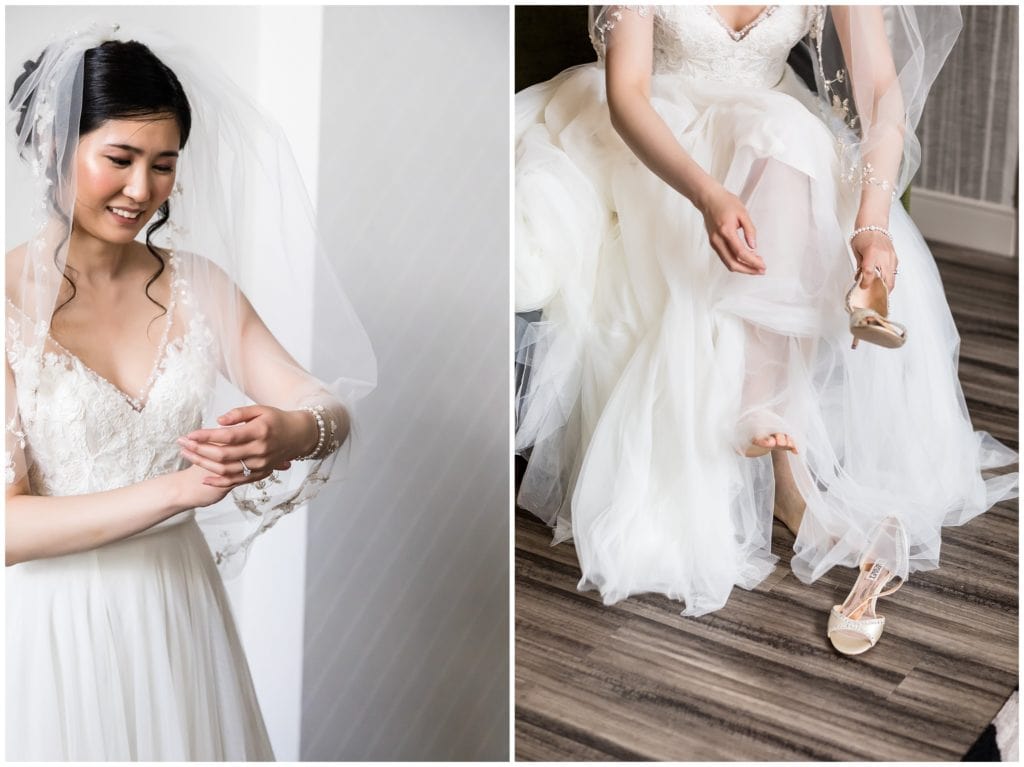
(725, 216)
(264, 438)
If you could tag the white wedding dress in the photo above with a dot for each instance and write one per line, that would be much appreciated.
(127, 651)
(652, 366)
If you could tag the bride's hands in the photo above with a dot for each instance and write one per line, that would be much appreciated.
(264, 437)
(724, 215)
(875, 249)
(192, 490)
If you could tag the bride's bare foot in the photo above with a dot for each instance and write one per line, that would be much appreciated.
(763, 445)
(789, 504)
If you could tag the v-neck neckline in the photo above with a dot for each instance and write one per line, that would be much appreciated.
(739, 34)
(137, 404)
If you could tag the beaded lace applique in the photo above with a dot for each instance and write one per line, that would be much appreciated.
(853, 171)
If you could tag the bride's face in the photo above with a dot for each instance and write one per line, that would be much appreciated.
(124, 172)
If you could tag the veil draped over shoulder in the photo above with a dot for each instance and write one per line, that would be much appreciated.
(241, 228)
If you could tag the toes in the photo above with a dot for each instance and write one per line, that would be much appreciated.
(785, 442)
(777, 441)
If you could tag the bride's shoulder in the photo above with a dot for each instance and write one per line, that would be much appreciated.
(14, 264)
(197, 263)
(201, 271)
(15, 258)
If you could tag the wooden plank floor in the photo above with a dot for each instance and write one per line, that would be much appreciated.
(758, 680)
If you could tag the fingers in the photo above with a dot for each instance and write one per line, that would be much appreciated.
(735, 259)
(228, 466)
(749, 232)
(875, 254)
(228, 475)
(747, 256)
(235, 480)
(867, 271)
(211, 466)
(870, 267)
(235, 435)
(736, 251)
(729, 260)
(240, 414)
(220, 453)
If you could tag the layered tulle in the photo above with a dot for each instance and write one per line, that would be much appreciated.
(652, 366)
(128, 653)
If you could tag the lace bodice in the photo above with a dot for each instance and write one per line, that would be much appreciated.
(695, 41)
(81, 433)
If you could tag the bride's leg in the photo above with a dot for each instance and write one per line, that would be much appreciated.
(779, 318)
(789, 504)
(761, 422)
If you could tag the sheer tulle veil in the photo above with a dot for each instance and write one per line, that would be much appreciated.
(240, 228)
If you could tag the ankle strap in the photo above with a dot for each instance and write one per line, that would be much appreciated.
(880, 594)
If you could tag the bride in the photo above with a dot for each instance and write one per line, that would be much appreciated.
(163, 202)
(715, 250)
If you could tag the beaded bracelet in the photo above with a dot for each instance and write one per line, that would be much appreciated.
(872, 228)
(318, 415)
(332, 444)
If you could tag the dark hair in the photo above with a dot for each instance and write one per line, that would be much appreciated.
(123, 79)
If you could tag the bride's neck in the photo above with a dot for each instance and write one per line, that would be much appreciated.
(95, 260)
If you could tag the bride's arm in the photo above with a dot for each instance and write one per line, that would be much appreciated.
(40, 526)
(877, 94)
(628, 63)
(280, 428)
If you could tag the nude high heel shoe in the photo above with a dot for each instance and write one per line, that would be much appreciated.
(854, 627)
(869, 314)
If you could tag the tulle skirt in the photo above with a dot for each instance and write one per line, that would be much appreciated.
(128, 652)
(652, 366)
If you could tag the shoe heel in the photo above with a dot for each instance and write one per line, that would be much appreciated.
(871, 320)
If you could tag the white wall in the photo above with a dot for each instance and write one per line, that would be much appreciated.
(407, 598)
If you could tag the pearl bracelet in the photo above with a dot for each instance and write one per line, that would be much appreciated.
(881, 229)
(317, 412)
(318, 415)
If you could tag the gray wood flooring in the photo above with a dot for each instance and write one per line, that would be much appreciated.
(758, 680)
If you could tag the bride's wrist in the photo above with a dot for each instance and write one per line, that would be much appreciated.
(872, 213)
(870, 231)
(704, 193)
(306, 431)
(171, 493)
